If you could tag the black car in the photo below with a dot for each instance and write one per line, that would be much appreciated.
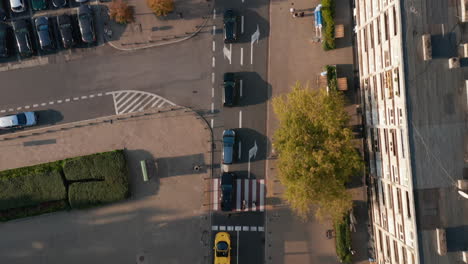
(59, 3)
(231, 89)
(3, 12)
(43, 32)
(23, 37)
(4, 40)
(85, 20)
(227, 184)
(64, 23)
(231, 26)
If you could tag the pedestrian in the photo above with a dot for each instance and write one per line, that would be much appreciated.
(292, 10)
(301, 14)
(180, 15)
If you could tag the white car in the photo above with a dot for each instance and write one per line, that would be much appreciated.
(18, 120)
(17, 6)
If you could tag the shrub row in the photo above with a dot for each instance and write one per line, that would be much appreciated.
(328, 14)
(331, 77)
(343, 240)
(92, 180)
(30, 186)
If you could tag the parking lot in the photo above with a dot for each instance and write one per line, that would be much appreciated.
(58, 52)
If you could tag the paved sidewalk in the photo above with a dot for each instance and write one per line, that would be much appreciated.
(148, 30)
(290, 240)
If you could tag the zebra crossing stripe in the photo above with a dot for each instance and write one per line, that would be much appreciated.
(254, 195)
(246, 194)
(215, 194)
(130, 101)
(238, 196)
(262, 195)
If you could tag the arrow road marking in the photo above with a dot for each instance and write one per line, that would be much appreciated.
(252, 154)
(227, 52)
(255, 37)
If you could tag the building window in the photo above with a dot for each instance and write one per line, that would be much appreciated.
(387, 240)
(390, 196)
(383, 193)
(380, 239)
(395, 21)
(386, 140)
(365, 39)
(400, 208)
(387, 34)
(408, 208)
(403, 253)
(395, 251)
(402, 142)
(371, 28)
(378, 30)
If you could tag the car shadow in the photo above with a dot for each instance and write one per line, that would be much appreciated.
(48, 117)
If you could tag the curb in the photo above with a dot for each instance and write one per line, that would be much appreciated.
(164, 43)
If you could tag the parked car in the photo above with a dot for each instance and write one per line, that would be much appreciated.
(231, 26)
(38, 4)
(3, 12)
(4, 32)
(229, 139)
(43, 32)
(23, 37)
(222, 248)
(18, 120)
(64, 23)
(227, 186)
(59, 3)
(231, 90)
(17, 6)
(85, 21)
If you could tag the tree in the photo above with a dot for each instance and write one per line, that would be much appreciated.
(161, 7)
(120, 12)
(316, 156)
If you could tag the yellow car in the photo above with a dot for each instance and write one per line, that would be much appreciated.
(222, 248)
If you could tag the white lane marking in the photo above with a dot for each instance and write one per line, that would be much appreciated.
(19, 108)
(214, 13)
(67, 100)
(10, 110)
(443, 29)
(230, 228)
(130, 104)
(239, 155)
(246, 194)
(213, 62)
(214, 46)
(245, 228)
(35, 105)
(147, 103)
(254, 195)
(3, 111)
(238, 195)
(214, 30)
(212, 108)
(84, 97)
(240, 119)
(122, 104)
(51, 103)
(262, 195)
(59, 101)
(27, 107)
(215, 194)
(212, 123)
(161, 104)
(91, 96)
(212, 92)
(238, 228)
(99, 94)
(75, 98)
(156, 102)
(255, 37)
(120, 96)
(227, 53)
(241, 86)
(136, 107)
(43, 104)
(261, 229)
(253, 228)
(242, 57)
(212, 77)
(214, 228)
(242, 24)
(222, 228)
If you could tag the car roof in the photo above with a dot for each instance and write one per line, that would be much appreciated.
(84, 9)
(15, 3)
(226, 178)
(8, 121)
(41, 20)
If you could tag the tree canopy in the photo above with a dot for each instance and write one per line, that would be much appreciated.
(316, 156)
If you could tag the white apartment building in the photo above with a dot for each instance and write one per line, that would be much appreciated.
(415, 127)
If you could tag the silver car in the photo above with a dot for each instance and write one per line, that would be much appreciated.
(18, 120)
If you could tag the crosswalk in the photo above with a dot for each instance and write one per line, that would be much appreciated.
(238, 228)
(249, 195)
(130, 101)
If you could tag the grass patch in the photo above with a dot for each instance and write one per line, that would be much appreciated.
(328, 15)
(343, 240)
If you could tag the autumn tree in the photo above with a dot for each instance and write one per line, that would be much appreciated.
(161, 7)
(316, 156)
(120, 12)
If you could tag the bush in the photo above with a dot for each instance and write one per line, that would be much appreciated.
(30, 186)
(43, 208)
(161, 7)
(343, 240)
(331, 77)
(120, 12)
(328, 14)
(89, 194)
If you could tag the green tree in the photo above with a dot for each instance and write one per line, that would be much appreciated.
(161, 7)
(316, 156)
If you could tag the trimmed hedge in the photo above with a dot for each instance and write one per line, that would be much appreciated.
(328, 14)
(111, 171)
(343, 240)
(31, 186)
(331, 77)
(43, 208)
